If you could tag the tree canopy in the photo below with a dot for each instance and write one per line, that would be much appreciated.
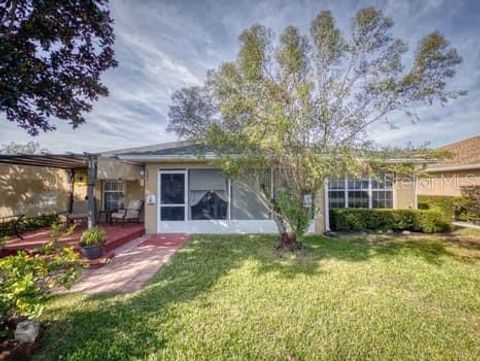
(302, 104)
(52, 54)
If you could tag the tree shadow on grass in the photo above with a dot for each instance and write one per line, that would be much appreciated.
(117, 327)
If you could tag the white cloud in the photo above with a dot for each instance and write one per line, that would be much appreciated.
(165, 46)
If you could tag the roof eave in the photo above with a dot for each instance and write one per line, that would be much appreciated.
(453, 168)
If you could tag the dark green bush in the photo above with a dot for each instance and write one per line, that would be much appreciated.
(28, 224)
(361, 219)
(452, 207)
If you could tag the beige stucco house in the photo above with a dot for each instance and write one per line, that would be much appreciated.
(182, 193)
(461, 169)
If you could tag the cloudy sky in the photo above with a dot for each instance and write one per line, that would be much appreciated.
(165, 45)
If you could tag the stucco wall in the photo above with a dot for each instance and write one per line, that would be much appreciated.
(448, 183)
(32, 190)
(108, 168)
(405, 193)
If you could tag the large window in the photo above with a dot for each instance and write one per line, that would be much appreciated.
(366, 192)
(208, 194)
(113, 195)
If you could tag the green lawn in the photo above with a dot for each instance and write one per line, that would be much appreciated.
(234, 298)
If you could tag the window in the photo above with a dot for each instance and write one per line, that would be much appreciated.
(208, 196)
(367, 192)
(113, 195)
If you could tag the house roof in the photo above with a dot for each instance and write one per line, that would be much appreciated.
(465, 154)
(184, 151)
(168, 152)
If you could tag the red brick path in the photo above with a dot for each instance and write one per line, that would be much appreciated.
(134, 264)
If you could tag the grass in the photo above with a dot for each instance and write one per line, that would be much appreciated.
(234, 298)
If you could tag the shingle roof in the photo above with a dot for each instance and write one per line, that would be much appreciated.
(464, 153)
(182, 150)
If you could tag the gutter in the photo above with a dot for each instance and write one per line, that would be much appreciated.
(453, 168)
(168, 158)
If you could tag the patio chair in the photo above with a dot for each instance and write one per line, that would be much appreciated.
(79, 212)
(132, 213)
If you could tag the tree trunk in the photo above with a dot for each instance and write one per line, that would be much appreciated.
(288, 240)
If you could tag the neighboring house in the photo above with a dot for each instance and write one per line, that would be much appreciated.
(187, 193)
(34, 185)
(462, 169)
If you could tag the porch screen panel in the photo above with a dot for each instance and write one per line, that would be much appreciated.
(246, 205)
(208, 196)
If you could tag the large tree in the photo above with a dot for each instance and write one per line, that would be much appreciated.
(52, 54)
(302, 105)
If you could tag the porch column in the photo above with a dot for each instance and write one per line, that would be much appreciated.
(71, 178)
(91, 181)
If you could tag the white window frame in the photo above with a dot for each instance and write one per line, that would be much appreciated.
(369, 191)
(185, 199)
(124, 190)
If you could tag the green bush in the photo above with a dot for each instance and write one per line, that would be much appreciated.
(361, 219)
(92, 237)
(28, 224)
(452, 207)
(298, 217)
(26, 280)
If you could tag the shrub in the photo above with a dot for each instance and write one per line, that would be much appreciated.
(298, 217)
(471, 209)
(28, 224)
(92, 237)
(361, 219)
(452, 207)
(26, 280)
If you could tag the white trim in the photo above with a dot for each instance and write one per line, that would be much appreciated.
(161, 223)
(220, 226)
(229, 207)
(326, 205)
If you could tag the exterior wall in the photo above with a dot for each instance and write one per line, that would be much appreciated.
(448, 183)
(108, 168)
(405, 193)
(32, 190)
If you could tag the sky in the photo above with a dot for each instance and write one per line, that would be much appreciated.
(164, 45)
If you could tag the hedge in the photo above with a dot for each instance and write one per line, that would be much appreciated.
(451, 206)
(362, 219)
(28, 224)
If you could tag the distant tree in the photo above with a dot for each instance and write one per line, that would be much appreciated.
(52, 54)
(302, 105)
(18, 148)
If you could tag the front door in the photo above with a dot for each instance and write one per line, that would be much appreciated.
(173, 195)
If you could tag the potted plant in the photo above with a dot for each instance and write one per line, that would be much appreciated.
(92, 242)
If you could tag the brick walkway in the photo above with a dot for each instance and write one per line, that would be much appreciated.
(133, 265)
